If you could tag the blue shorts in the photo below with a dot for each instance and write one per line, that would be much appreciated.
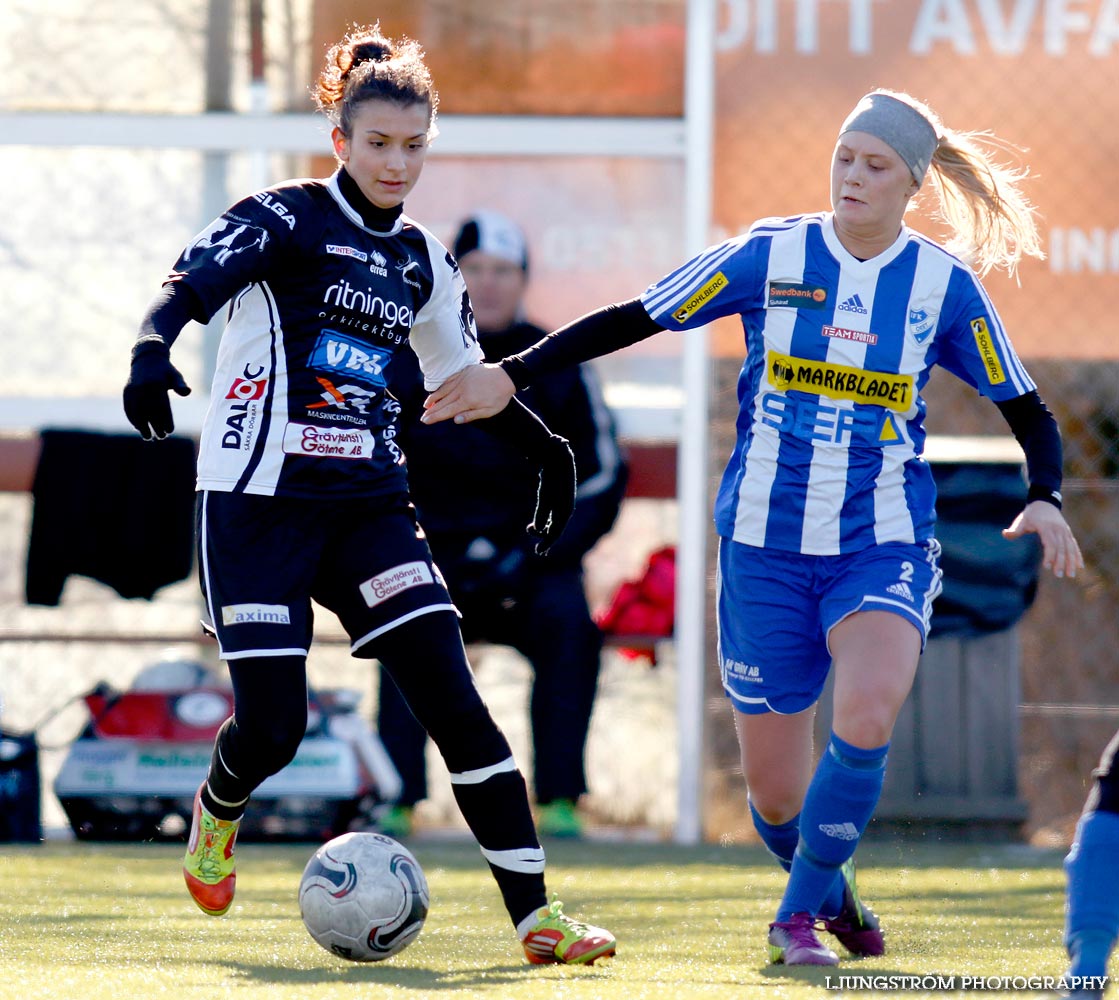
(263, 559)
(776, 610)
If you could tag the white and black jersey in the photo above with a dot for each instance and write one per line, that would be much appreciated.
(318, 304)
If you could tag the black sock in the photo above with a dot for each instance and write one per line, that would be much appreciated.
(224, 794)
(498, 814)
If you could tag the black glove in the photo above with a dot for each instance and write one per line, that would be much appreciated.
(555, 492)
(145, 394)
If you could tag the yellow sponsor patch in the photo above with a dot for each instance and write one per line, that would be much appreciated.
(789, 374)
(987, 351)
(701, 297)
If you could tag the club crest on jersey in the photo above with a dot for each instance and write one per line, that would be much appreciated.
(796, 295)
(701, 297)
(404, 266)
(226, 237)
(920, 324)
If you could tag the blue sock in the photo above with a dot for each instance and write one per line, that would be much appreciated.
(1092, 869)
(840, 801)
(833, 899)
(781, 841)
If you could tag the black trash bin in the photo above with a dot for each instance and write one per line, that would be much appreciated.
(989, 581)
(19, 788)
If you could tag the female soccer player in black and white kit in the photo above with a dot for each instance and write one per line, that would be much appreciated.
(302, 487)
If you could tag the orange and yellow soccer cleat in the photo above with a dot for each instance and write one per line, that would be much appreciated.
(208, 867)
(556, 937)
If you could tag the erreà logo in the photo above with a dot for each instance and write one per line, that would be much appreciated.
(701, 297)
(983, 341)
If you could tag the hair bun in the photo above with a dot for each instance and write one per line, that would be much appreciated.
(370, 51)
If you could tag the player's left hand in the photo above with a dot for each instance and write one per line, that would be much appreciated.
(1060, 550)
(555, 494)
(151, 376)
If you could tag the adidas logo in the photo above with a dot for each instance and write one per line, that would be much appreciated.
(543, 943)
(841, 831)
(900, 590)
(852, 305)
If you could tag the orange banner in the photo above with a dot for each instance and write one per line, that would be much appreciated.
(527, 57)
(1043, 75)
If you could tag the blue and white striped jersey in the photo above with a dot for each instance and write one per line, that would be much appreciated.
(830, 426)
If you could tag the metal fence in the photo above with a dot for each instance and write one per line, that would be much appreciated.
(91, 231)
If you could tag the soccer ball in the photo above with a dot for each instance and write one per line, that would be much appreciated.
(363, 896)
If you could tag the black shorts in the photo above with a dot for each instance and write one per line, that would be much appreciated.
(262, 559)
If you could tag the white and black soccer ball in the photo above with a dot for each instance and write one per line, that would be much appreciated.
(363, 896)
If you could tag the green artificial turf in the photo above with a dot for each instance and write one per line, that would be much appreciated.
(113, 921)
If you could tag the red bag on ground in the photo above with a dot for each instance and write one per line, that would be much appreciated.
(644, 610)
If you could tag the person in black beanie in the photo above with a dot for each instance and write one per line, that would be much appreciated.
(507, 594)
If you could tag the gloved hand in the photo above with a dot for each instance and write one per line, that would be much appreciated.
(145, 394)
(555, 492)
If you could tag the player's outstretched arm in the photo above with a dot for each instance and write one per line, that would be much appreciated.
(151, 375)
(473, 394)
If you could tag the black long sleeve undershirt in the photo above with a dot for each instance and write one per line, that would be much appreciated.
(597, 333)
(622, 324)
(173, 306)
(521, 427)
(1035, 429)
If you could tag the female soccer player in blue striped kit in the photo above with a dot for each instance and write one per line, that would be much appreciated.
(302, 486)
(1092, 872)
(825, 512)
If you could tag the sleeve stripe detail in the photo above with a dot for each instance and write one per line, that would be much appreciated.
(663, 297)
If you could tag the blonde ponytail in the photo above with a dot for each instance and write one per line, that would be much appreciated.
(981, 200)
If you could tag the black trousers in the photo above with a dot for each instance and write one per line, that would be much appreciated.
(551, 626)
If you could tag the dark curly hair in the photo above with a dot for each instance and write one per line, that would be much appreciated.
(366, 66)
